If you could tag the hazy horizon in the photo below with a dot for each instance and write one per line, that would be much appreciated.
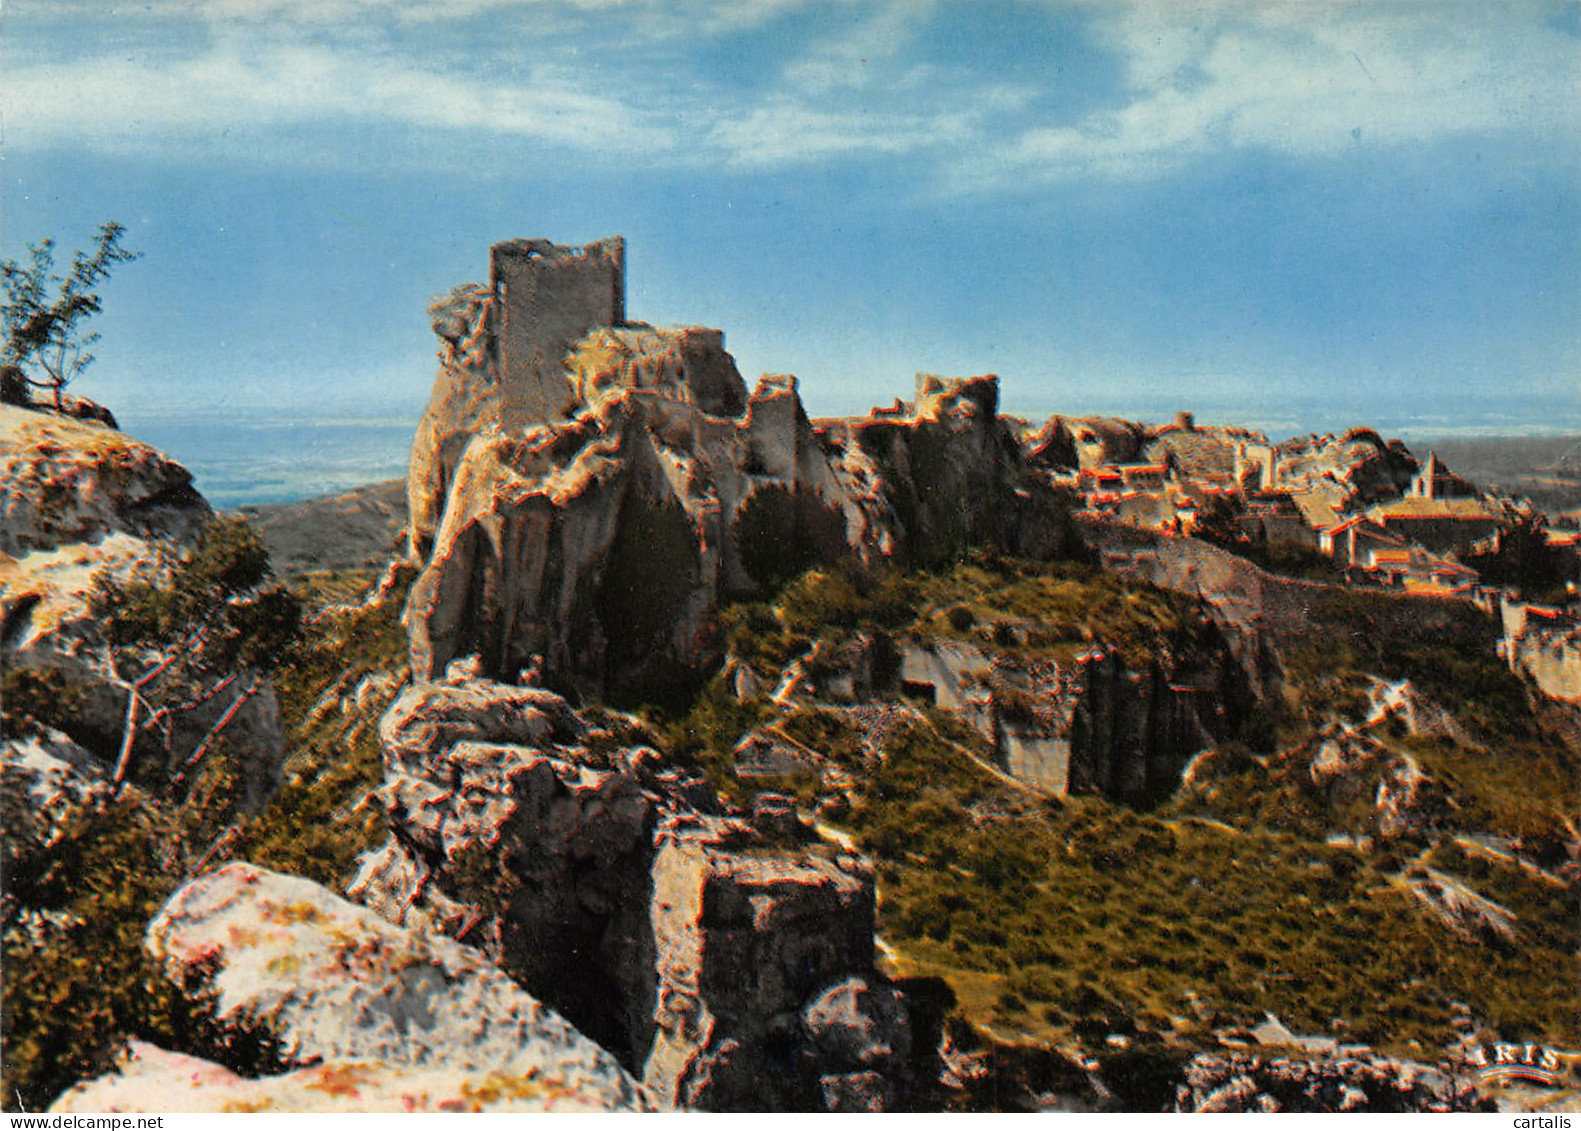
(239, 459)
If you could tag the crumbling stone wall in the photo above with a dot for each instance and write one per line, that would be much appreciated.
(549, 296)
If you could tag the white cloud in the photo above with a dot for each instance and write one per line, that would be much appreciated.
(840, 79)
(784, 132)
(1311, 79)
(858, 56)
(122, 104)
(654, 17)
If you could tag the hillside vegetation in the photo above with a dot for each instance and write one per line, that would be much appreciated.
(81, 885)
(1252, 890)
(1074, 923)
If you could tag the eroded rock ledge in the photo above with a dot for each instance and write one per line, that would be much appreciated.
(593, 540)
(729, 962)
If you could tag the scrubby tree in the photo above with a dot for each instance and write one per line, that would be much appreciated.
(205, 629)
(1219, 523)
(1526, 560)
(44, 314)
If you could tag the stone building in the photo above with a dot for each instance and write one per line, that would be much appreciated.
(549, 296)
(1436, 481)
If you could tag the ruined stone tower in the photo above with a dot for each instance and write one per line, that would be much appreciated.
(548, 296)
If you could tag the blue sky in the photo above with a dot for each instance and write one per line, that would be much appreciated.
(1301, 215)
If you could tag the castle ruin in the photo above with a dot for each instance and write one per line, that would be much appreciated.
(548, 296)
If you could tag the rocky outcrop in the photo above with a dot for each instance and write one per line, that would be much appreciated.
(1378, 784)
(1086, 725)
(949, 475)
(1360, 462)
(1132, 733)
(80, 501)
(685, 939)
(47, 783)
(1072, 442)
(1351, 1080)
(866, 1030)
(599, 546)
(148, 1078)
(1199, 454)
(78, 481)
(360, 1009)
(1545, 643)
(1453, 903)
(464, 402)
(744, 942)
(78, 498)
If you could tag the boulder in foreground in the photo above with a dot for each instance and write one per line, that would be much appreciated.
(351, 997)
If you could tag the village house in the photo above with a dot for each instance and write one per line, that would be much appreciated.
(1452, 525)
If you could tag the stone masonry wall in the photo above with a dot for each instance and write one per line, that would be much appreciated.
(549, 297)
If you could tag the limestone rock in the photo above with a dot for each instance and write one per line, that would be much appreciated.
(688, 364)
(68, 480)
(44, 593)
(151, 1079)
(464, 402)
(683, 940)
(586, 490)
(602, 544)
(427, 719)
(743, 941)
(1453, 902)
(1084, 725)
(1346, 765)
(339, 985)
(1350, 1080)
(55, 772)
(1365, 467)
(1200, 454)
(48, 627)
(1083, 442)
(512, 838)
(858, 1023)
(53, 781)
(79, 499)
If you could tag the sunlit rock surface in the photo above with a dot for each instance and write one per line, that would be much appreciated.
(340, 985)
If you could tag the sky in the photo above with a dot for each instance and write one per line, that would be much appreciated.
(1295, 215)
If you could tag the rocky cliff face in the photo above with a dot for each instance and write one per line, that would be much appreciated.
(78, 497)
(1088, 725)
(702, 947)
(80, 500)
(77, 481)
(595, 548)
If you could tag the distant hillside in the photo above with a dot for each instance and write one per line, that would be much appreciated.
(1546, 469)
(351, 530)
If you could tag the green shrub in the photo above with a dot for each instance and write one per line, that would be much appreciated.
(77, 981)
(34, 698)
